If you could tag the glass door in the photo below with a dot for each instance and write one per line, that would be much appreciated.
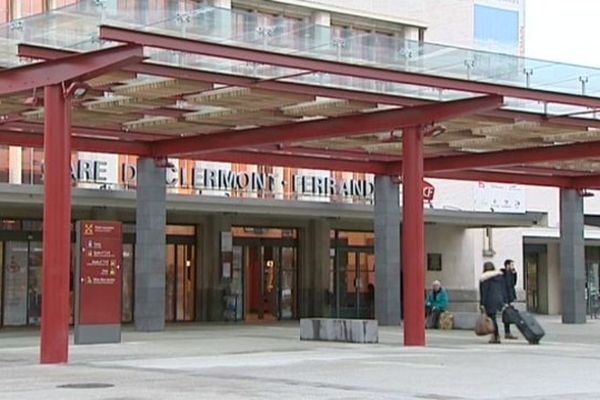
(15, 283)
(531, 272)
(270, 280)
(127, 272)
(288, 296)
(180, 282)
(22, 283)
(354, 283)
(34, 304)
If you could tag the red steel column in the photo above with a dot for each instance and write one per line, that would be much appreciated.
(413, 237)
(57, 227)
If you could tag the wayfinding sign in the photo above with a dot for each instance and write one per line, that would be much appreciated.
(98, 282)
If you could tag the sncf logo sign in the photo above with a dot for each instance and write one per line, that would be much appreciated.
(428, 191)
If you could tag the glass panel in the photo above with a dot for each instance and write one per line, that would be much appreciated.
(31, 166)
(367, 285)
(127, 294)
(532, 278)
(182, 230)
(72, 283)
(35, 283)
(76, 27)
(170, 283)
(10, 225)
(347, 298)
(356, 238)
(234, 306)
(270, 261)
(180, 277)
(288, 302)
(4, 164)
(184, 275)
(15, 283)
(190, 283)
(1, 280)
(260, 232)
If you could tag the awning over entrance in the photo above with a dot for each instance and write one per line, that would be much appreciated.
(209, 92)
(183, 82)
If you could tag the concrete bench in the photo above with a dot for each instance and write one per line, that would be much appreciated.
(339, 330)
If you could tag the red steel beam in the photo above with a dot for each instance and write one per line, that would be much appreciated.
(328, 128)
(413, 238)
(54, 345)
(89, 131)
(83, 66)
(350, 155)
(333, 67)
(521, 179)
(586, 182)
(505, 158)
(294, 161)
(13, 138)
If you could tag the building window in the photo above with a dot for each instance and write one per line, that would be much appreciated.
(434, 262)
(496, 28)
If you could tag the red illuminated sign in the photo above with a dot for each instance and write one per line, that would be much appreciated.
(101, 251)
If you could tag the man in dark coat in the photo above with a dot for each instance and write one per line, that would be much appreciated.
(492, 295)
(510, 281)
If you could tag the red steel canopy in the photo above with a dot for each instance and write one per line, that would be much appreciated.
(158, 94)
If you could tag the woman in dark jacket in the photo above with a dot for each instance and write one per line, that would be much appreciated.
(492, 295)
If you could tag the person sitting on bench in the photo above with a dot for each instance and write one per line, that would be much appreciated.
(436, 304)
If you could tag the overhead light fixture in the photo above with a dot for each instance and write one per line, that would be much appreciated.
(79, 92)
(585, 193)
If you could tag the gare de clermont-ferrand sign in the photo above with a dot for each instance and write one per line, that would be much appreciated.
(221, 179)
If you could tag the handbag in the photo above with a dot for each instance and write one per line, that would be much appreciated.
(446, 321)
(484, 325)
(430, 321)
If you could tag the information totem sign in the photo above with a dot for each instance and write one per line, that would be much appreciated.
(98, 282)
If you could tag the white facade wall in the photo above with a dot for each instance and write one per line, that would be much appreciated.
(554, 296)
(457, 249)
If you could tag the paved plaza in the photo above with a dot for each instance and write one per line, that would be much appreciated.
(269, 362)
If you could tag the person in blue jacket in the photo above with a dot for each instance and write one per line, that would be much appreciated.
(436, 304)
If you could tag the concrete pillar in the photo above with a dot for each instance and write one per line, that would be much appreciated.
(314, 269)
(322, 18)
(572, 257)
(150, 247)
(387, 251)
(411, 33)
(210, 303)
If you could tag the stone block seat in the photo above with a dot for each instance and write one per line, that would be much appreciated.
(340, 330)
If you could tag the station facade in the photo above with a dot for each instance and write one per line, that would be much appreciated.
(247, 242)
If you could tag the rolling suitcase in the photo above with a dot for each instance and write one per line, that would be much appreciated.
(526, 324)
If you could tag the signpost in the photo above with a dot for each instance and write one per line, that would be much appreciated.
(98, 282)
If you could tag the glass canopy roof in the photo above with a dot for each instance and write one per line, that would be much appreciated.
(76, 27)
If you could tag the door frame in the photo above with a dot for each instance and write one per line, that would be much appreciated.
(340, 247)
(189, 244)
(260, 244)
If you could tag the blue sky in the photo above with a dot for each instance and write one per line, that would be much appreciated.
(563, 30)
